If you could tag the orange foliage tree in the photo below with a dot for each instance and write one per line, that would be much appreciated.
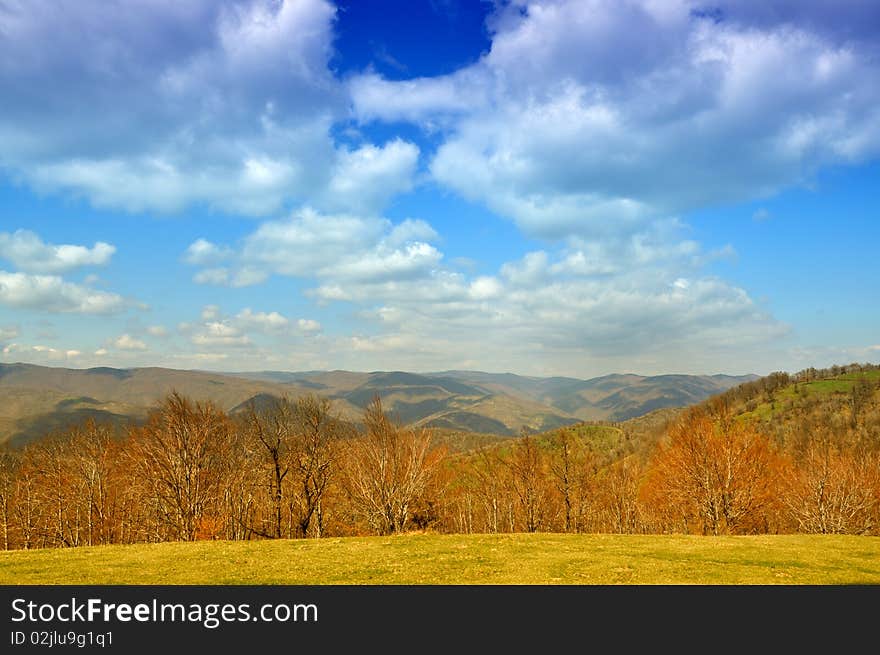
(715, 474)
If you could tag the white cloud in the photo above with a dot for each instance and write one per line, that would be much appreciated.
(262, 321)
(215, 276)
(365, 179)
(248, 276)
(422, 100)
(156, 106)
(337, 246)
(41, 353)
(248, 339)
(210, 312)
(29, 253)
(202, 252)
(309, 241)
(128, 342)
(588, 123)
(484, 288)
(595, 306)
(411, 230)
(383, 263)
(50, 293)
(157, 331)
(598, 117)
(219, 330)
(308, 325)
(220, 333)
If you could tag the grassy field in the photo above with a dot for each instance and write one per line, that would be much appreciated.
(460, 559)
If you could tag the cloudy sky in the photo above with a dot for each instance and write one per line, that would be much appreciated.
(559, 187)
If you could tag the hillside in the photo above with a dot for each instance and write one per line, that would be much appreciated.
(465, 399)
(842, 402)
(38, 400)
(610, 397)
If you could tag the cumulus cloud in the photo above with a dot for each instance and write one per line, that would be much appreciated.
(29, 253)
(210, 312)
(600, 116)
(589, 123)
(128, 342)
(41, 353)
(157, 331)
(593, 299)
(214, 276)
(218, 330)
(220, 333)
(642, 300)
(366, 178)
(202, 252)
(155, 106)
(429, 101)
(51, 293)
(308, 326)
(262, 321)
(338, 246)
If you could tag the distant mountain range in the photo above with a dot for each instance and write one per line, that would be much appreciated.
(35, 400)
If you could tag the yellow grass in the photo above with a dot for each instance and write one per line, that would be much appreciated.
(463, 559)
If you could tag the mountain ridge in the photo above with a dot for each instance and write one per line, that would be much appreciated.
(40, 399)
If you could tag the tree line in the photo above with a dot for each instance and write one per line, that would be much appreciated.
(291, 468)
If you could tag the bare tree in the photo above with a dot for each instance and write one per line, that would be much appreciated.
(91, 452)
(314, 451)
(271, 427)
(8, 473)
(296, 448)
(618, 488)
(28, 509)
(526, 466)
(178, 455)
(834, 488)
(56, 490)
(388, 469)
(488, 479)
(572, 467)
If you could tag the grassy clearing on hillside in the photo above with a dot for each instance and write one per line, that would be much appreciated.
(840, 385)
(463, 559)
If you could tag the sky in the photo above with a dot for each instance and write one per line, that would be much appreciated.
(558, 187)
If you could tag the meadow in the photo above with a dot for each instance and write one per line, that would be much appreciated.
(416, 559)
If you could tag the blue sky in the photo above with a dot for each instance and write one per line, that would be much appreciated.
(564, 187)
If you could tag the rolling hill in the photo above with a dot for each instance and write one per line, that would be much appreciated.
(37, 400)
(610, 397)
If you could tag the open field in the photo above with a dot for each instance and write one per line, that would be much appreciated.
(463, 559)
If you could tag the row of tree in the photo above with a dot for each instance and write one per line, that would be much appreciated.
(711, 474)
(286, 468)
(291, 468)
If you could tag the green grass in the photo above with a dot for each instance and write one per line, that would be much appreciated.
(463, 559)
(842, 384)
(600, 438)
